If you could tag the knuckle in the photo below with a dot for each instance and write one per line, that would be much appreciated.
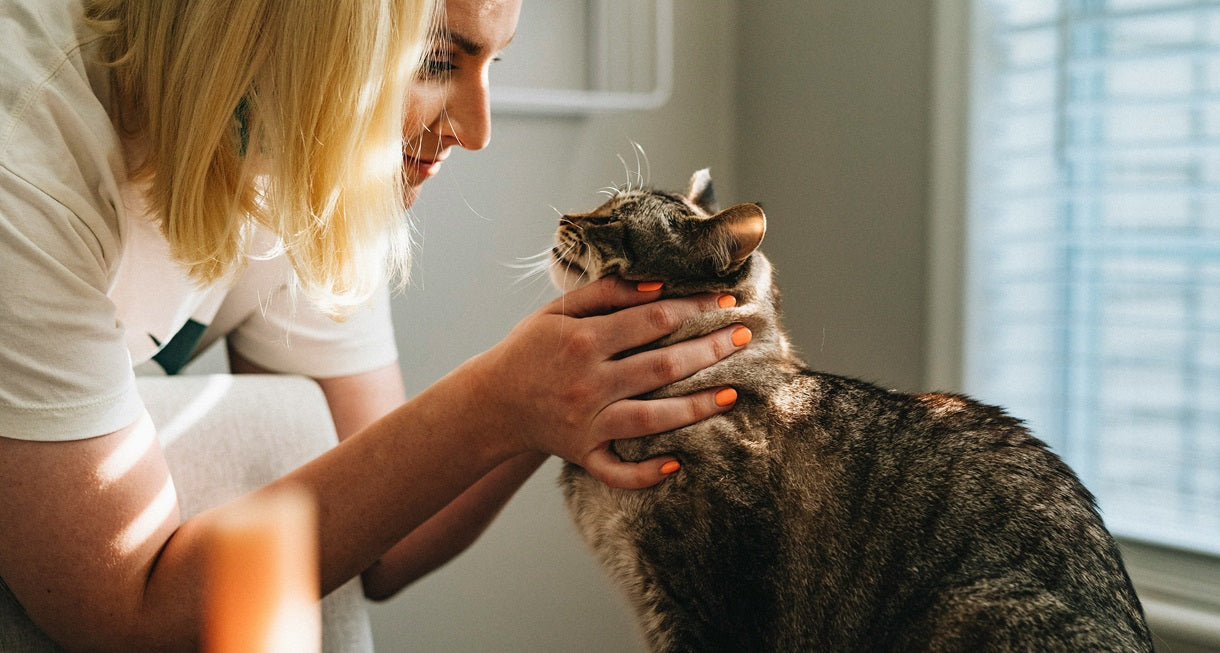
(582, 342)
(576, 395)
(663, 317)
(571, 421)
(667, 368)
(644, 421)
(693, 410)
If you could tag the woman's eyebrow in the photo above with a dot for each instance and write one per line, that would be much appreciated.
(466, 44)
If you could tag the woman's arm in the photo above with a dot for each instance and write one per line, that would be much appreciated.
(358, 400)
(94, 548)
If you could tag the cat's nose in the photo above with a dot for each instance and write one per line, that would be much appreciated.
(566, 220)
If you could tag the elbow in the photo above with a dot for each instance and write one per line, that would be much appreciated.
(376, 585)
(380, 585)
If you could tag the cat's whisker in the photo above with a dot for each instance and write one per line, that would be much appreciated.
(537, 265)
(647, 164)
(542, 258)
(530, 271)
(626, 171)
(639, 176)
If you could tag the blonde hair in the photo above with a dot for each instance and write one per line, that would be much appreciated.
(277, 112)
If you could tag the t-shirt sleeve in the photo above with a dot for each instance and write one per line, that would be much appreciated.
(65, 371)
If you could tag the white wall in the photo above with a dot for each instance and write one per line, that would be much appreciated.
(832, 113)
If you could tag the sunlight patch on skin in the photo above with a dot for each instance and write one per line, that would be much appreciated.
(126, 455)
(158, 511)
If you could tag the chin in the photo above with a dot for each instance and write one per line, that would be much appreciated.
(566, 278)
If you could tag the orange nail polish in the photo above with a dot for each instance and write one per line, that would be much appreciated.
(725, 397)
(741, 336)
(648, 286)
(727, 301)
(670, 467)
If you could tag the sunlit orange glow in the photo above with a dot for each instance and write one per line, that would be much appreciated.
(261, 594)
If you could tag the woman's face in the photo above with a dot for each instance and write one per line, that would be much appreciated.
(448, 104)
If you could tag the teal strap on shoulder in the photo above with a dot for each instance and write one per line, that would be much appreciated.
(242, 115)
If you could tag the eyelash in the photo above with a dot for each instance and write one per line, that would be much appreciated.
(437, 66)
(440, 65)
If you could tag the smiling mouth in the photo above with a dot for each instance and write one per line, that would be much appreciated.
(420, 169)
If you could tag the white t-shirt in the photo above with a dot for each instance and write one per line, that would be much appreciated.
(88, 289)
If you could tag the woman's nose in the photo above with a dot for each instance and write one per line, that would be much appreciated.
(468, 114)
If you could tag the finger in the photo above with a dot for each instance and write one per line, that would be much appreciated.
(646, 371)
(606, 467)
(606, 295)
(636, 326)
(634, 418)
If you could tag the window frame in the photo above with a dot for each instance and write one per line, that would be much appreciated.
(1180, 589)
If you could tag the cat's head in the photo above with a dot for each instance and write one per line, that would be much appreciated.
(649, 235)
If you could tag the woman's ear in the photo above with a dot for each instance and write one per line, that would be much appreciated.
(701, 193)
(734, 234)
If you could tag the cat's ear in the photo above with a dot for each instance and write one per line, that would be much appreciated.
(735, 233)
(701, 193)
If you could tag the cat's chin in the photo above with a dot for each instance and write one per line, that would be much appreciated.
(567, 277)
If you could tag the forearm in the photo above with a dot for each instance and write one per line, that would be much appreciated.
(372, 490)
(359, 400)
(99, 558)
(450, 531)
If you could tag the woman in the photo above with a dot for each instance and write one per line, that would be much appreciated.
(246, 129)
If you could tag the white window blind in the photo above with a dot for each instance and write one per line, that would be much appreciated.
(1093, 268)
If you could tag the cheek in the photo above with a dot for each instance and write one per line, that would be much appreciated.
(424, 105)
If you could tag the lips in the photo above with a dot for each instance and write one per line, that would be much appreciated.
(420, 169)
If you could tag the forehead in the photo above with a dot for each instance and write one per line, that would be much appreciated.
(644, 201)
(491, 23)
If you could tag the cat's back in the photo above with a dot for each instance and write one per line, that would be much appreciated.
(825, 511)
(945, 518)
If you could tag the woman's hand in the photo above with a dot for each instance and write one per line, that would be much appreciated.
(556, 383)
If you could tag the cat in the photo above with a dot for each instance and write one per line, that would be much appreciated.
(823, 513)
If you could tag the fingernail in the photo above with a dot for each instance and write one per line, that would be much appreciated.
(648, 286)
(741, 336)
(725, 397)
(671, 467)
(727, 301)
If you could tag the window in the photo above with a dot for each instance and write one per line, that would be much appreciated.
(1093, 247)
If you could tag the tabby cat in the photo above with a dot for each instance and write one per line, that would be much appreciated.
(822, 513)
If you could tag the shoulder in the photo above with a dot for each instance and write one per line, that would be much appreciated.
(60, 157)
(66, 370)
(46, 50)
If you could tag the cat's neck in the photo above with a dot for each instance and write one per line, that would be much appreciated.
(757, 309)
